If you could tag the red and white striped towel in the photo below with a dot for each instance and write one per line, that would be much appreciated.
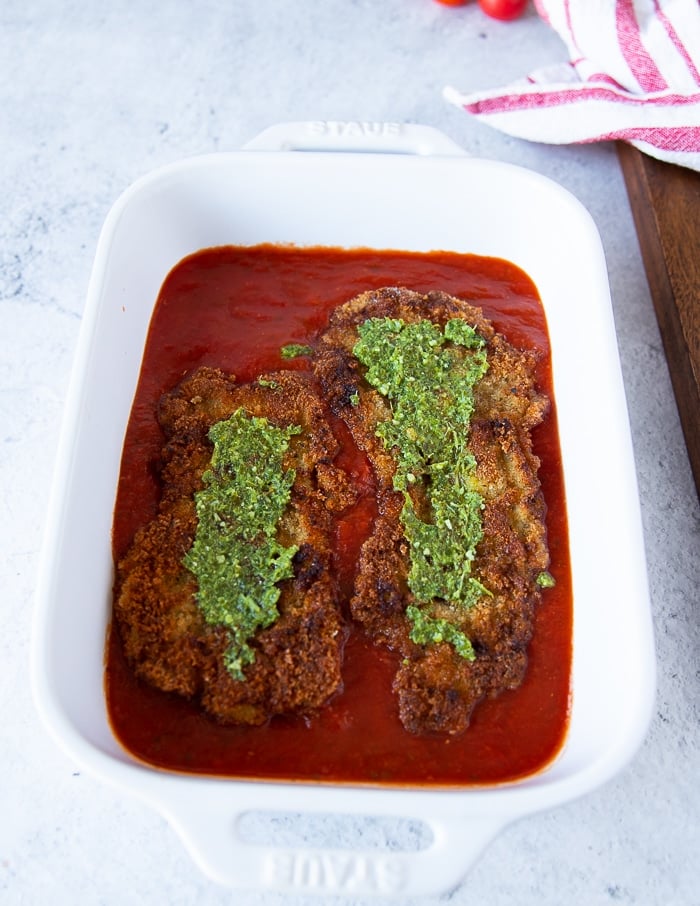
(634, 75)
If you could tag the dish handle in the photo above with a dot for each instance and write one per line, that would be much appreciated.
(212, 835)
(355, 136)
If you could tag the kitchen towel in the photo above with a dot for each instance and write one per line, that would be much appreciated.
(633, 74)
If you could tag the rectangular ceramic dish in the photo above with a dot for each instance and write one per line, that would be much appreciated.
(412, 189)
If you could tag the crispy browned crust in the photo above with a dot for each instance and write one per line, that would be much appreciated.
(297, 659)
(437, 689)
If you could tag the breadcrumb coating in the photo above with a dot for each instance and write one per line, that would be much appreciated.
(436, 688)
(166, 639)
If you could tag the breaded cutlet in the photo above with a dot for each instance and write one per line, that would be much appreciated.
(437, 688)
(166, 638)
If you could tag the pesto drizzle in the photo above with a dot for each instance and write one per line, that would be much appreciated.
(235, 557)
(428, 376)
(295, 351)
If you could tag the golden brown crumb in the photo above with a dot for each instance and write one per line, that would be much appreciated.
(437, 688)
(297, 659)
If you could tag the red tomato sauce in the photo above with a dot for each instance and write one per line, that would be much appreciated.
(234, 308)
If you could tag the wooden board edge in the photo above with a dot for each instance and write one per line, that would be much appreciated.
(678, 355)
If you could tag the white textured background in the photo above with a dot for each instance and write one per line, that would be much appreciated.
(93, 95)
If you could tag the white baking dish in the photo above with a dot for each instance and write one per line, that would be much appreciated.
(412, 190)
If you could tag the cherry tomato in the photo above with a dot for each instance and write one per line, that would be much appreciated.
(453, 2)
(503, 9)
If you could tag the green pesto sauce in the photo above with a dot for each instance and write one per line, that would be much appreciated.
(428, 376)
(235, 557)
(429, 630)
(546, 579)
(295, 351)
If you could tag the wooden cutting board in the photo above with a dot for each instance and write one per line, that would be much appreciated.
(665, 201)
